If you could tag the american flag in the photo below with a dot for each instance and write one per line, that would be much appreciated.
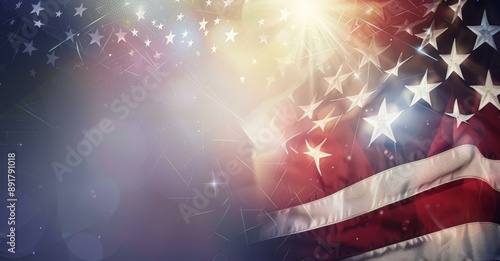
(393, 155)
(253, 129)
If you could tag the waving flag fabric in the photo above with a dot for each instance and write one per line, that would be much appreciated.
(250, 129)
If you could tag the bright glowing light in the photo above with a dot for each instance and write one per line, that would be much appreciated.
(314, 30)
(306, 11)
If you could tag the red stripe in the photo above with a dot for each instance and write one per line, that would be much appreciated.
(452, 204)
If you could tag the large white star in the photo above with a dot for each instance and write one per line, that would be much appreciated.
(37, 8)
(484, 32)
(70, 35)
(230, 35)
(52, 58)
(140, 15)
(170, 38)
(432, 7)
(395, 70)
(430, 36)
(96, 38)
(422, 91)
(382, 123)
(459, 117)
(360, 99)
(121, 36)
(371, 53)
(489, 92)
(457, 9)
(454, 60)
(317, 154)
(79, 10)
(323, 122)
(227, 3)
(203, 24)
(335, 82)
(284, 14)
(29, 48)
(406, 27)
(309, 109)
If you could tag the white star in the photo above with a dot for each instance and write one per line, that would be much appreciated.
(18, 5)
(382, 123)
(406, 27)
(457, 9)
(203, 24)
(375, 6)
(432, 7)
(485, 32)
(121, 36)
(209, 2)
(459, 117)
(180, 16)
(52, 58)
(371, 53)
(134, 32)
(309, 109)
(317, 154)
(79, 10)
(58, 13)
(430, 36)
(147, 42)
(38, 24)
(190, 43)
(489, 92)
(170, 38)
(217, 20)
(227, 3)
(261, 21)
(140, 15)
(284, 14)
(70, 35)
(454, 60)
(231, 35)
(422, 91)
(360, 99)
(37, 8)
(214, 49)
(263, 38)
(335, 82)
(395, 70)
(29, 48)
(323, 122)
(96, 37)
(242, 79)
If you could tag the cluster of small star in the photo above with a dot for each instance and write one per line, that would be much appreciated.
(383, 123)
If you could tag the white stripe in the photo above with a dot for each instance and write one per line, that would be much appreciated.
(380, 190)
(471, 241)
